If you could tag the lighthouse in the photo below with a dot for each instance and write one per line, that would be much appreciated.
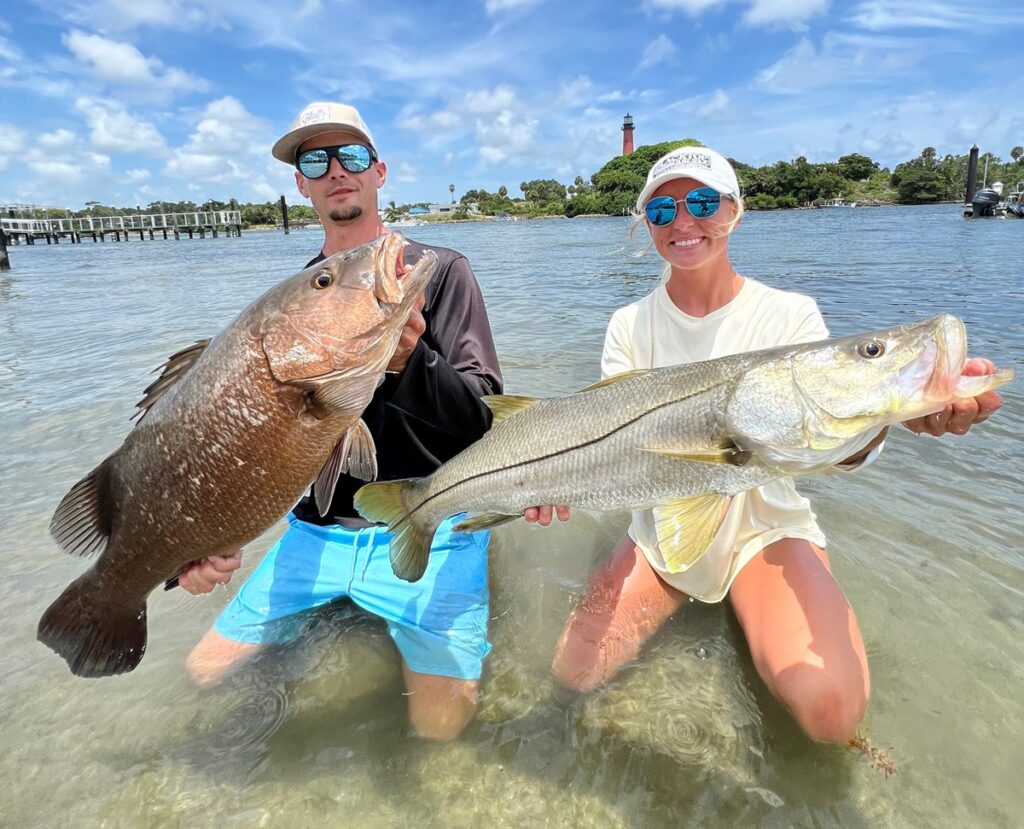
(627, 134)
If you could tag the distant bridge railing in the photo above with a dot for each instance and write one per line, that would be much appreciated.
(135, 221)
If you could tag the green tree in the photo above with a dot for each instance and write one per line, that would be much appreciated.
(920, 186)
(856, 167)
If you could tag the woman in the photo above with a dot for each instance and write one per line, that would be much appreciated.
(769, 554)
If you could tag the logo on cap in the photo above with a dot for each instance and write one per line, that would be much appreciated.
(683, 159)
(313, 116)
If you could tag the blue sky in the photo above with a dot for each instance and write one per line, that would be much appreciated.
(134, 101)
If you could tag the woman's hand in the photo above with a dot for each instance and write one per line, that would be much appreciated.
(202, 576)
(958, 417)
(542, 515)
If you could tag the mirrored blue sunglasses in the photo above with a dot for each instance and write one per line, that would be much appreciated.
(701, 203)
(355, 158)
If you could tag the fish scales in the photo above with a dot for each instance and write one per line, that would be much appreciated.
(230, 436)
(683, 440)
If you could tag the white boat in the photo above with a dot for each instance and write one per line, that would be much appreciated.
(839, 202)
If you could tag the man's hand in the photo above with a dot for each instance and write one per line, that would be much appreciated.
(411, 333)
(203, 575)
(960, 416)
(542, 515)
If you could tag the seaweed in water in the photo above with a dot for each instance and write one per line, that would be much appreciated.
(879, 758)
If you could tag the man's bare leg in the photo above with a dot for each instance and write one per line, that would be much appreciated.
(440, 707)
(216, 655)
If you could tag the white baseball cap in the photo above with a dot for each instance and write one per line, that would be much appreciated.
(317, 118)
(699, 163)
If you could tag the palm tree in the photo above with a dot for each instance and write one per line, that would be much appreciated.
(1016, 153)
(451, 189)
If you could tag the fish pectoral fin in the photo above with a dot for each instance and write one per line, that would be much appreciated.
(82, 522)
(483, 521)
(503, 406)
(347, 394)
(360, 459)
(410, 548)
(355, 454)
(171, 372)
(728, 453)
(615, 378)
(686, 527)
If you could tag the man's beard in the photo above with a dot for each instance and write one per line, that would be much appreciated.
(345, 214)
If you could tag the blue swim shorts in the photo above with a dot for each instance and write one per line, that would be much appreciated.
(439, 623)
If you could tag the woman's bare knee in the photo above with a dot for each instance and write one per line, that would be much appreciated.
(827, 707)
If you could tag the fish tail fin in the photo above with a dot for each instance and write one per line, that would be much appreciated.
(382, 503)
(95, 638)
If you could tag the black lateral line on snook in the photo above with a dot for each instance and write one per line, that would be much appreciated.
(583, 445)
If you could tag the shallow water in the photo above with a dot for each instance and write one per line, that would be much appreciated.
(927, 544)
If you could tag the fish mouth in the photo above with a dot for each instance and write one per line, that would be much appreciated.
(928, 382)
(949, 349)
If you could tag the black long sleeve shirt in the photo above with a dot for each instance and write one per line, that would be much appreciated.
(432, 410)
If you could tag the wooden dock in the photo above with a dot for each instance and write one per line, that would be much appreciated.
(123, 228)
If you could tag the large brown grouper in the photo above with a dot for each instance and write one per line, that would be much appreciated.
(230, 437)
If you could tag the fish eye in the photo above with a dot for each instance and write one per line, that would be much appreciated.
(322, 280)
(871, 349)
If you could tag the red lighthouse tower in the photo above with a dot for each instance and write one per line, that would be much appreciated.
(627, 134)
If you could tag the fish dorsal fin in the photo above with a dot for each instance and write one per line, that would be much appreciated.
(81, 525)
(503, 406)
(686, 527)
(615, 378)
(483, 521)
(728, 454)
(355, 454)
(170, 373)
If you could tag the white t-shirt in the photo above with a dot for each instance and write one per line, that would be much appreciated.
(653, 333)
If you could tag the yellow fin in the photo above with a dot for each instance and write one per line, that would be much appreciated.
(686, 526)
(503, 406)
(729, 454)
(615, 378)
(483, 521)
(410, 548)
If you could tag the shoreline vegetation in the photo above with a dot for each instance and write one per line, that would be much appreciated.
(612, 190)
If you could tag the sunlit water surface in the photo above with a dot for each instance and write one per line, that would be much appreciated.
(926, 543)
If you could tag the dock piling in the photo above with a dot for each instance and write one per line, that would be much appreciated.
(5, 260)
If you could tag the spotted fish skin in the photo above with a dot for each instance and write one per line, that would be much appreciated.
(228, 438)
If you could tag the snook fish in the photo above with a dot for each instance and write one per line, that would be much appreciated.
(682, 440)
(229, 437)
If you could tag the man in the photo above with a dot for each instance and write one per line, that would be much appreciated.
(427, 410)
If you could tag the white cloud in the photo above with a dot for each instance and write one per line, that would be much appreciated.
(69, 172)
(497, 6)
(659, 50)
(123, 65)
(842, 60)
(114, 129)
(11, 142)
(134, 176)
(691, 6)
(57, 140)
(8, 51)
(714, 107)
(228, 145)
(933, 14)
(791, 13)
